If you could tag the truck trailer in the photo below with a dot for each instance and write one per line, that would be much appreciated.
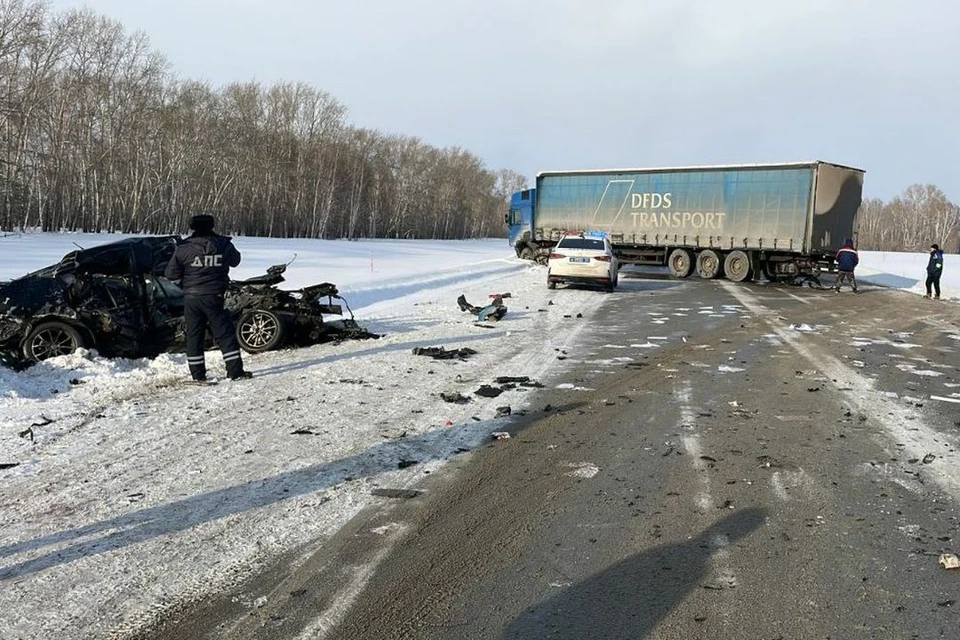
(739, 221)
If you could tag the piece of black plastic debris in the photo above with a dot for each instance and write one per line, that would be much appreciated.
(303, 432)
(44, 421)
(76, 381)
(812, 389)
(548, 407)
(404, 494)
(455, 398)
(440, 353)
(708, 458)
(486, 391)
(511, 379)
(549, 303)
(579, 315)
(27, 433)
(8, 465)
(567, 315)
(946, 603)
(503, 411)
(248, 451)
(403, 464)
(927, 459)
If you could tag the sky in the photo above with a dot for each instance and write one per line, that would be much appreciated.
(534, 85)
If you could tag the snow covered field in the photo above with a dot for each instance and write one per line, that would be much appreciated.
(133, 491)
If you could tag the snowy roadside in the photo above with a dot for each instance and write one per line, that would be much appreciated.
(135, 492)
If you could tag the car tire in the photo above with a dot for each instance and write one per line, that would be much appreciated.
(51, 339)
(259, 330)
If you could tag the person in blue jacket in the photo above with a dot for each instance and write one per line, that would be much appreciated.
(847, 260)
(934, 270)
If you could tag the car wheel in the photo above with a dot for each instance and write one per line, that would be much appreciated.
(51, 339)
(259, 331)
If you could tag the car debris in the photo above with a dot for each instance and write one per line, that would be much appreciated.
(486, 391)
(442, 353)
(500, 435)
(8, 465)
(454, 398)
(503, 411)
(949, 561)
(115, 299)
(490, 313)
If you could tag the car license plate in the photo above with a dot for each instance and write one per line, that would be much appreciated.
(579, 259)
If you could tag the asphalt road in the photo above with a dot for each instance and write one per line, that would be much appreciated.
(743, 479)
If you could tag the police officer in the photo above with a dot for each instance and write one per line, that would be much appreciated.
(202, 264)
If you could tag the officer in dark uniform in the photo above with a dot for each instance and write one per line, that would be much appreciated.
(202, 264)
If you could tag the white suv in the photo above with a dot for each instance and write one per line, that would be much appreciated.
(583, 258)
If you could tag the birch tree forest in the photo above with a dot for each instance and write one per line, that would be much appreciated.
(98, 134)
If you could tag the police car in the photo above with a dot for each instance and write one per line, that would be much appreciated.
(583, 258)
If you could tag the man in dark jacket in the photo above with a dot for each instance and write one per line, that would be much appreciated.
(934, 270)
(202, 265)
(847, 260)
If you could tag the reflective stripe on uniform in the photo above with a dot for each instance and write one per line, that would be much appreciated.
(194, 359)
(231, 355)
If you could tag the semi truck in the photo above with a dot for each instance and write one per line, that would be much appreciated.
(780, 221)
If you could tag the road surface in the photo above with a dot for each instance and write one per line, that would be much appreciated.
(715, 461)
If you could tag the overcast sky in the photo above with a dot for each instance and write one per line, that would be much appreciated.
(536, 85)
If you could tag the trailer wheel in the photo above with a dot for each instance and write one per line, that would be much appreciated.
(708, 264)
(680, 263)
(737, 266)
(526, 253)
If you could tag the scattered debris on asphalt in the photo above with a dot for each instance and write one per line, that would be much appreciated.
(503, 411)
(8, 465)
(27, 433)
(404, 494)
(441, 353)
(949, 561)
(44, 421)
(486, 391)
(801, 326)
(455, 398)
(500, 435)
(304, 432)
(523, 381)
(927, 459)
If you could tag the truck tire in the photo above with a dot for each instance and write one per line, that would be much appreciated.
(737, 266)
(526, 253)
(708, 264)
(680, 263)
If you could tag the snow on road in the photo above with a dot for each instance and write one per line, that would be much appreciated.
(133, 491)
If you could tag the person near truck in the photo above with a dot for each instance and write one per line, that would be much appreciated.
(202, 264)
(934, 271)
(847, 260)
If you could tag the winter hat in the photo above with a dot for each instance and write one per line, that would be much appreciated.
(203, 223)
(935, 246)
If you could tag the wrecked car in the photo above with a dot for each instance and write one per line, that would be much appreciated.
(114, 298)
